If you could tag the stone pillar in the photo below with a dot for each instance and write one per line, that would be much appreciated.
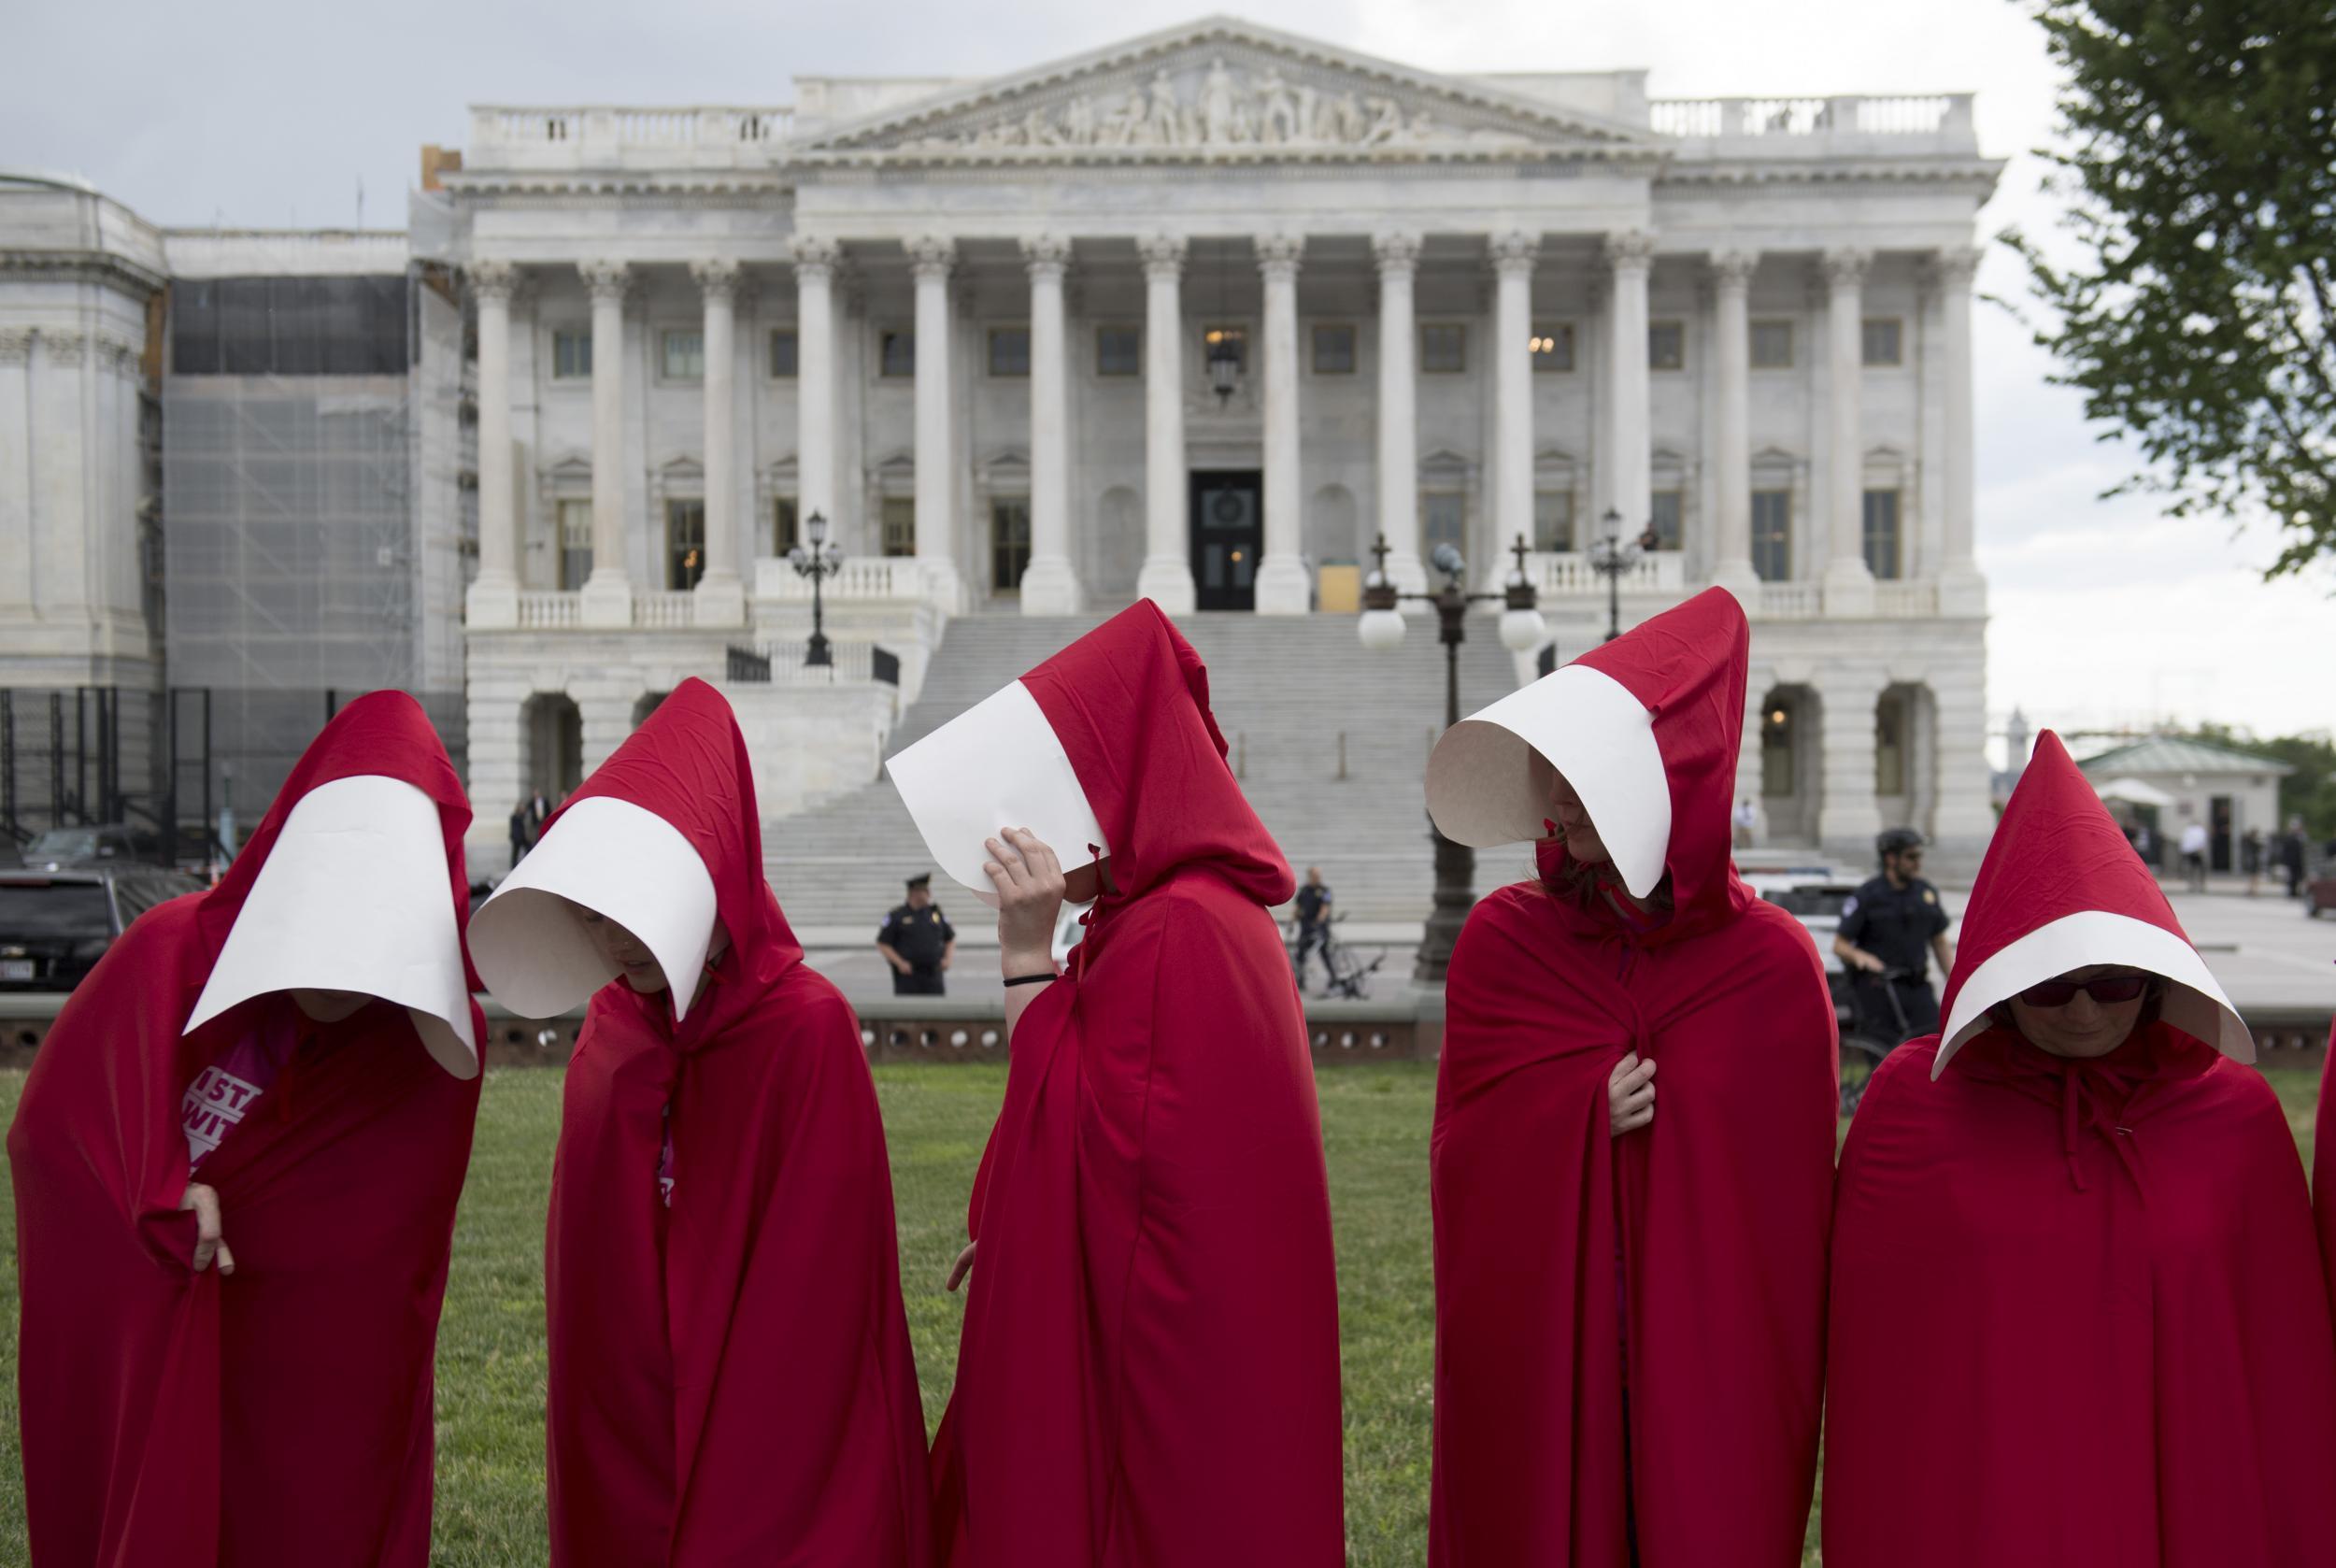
(1751, 771)
(494, 598)
(1631, 256)
(816, 260)
(1732, 364)
(1962, 589)
(1166, 577)
(930, 257)
(1397, 254)
(1963, 817)
(1512, 256)
(1048, 585)
(604, 718)
(1847, 818)
(1283, 587)
(1848, 583)
(607, 597)
(721, 599)
(16, 473)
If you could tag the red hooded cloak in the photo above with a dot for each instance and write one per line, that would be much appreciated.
(281, 1414)
(2077, 1313)
(730, 1377)
(1695, 1247)
(1149, 1367)
(2324, 1167)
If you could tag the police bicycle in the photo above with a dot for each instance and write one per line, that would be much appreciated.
(1862, 1048)
(1349, 971)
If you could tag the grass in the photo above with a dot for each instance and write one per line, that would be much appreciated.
(491, 1348)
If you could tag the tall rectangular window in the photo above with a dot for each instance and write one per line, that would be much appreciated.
(1553, 521)
(685, 543)
(1009, 351)
(682, 357)
(1443, 518)
(1553, 346)
(896, 352)
(1771, 535)
(785, 535)
(1118, 351)
(783, 347)
(1882, 541)
(1668, 505)
(1666, 346)
(575, 544)
(900, 525)
(570, 356)
(1333, 349)
(1009, 542)
(1885, 340)
(1772, 345)
(1444, 348)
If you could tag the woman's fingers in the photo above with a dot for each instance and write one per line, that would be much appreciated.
(1038, 855)
(226, 1259)
(203, 1202)
(963, 1266)
(1638, 1098)
(1633, 1120)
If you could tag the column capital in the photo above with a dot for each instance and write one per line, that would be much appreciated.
(16, 345)
(607, 279)
(1163, 255)
(717, 277)
(1514, 251)
(1845, 267)
(495, 280)
(64, 343)
(1396, 251)
(1733, 269)
(1046, 256)
(1953, 266)
(1630, 250)
(1279, 254)
(931, 256)
(815, 256)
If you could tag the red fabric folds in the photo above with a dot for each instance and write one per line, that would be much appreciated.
(2324, 1167)
(1685, 1260)
(731, 1378)
(283, 1414)
(1149, 1367)
(2077, 1317)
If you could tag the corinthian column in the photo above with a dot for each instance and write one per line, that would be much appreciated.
(1283, 587)
(1848, 583)
(1048, 585)
(930, 258)
(721, 599)
(1398, 255)
(607, 597)
(1632, 255)
(494, 598)
(1166, 578)
(1512, 257)
(1731, 363)
(1962, 589)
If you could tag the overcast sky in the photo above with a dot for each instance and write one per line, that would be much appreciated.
(271, 112)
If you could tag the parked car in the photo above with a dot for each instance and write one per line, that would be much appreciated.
(94, 843)
(55, 925)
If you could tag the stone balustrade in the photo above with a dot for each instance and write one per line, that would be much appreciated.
(1660, 571)
(514, 136)
(1820, 126)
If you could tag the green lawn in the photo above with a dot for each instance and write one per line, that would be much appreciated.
(490, 1352)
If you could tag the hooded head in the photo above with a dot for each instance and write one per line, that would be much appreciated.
(2062, 889)
(663, 839)
(1644, 728)
(354, 881)
(1110, 744)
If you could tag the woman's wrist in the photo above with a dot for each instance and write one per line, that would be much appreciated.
(1017, 960)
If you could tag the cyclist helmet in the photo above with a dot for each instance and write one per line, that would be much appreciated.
(1896, 841)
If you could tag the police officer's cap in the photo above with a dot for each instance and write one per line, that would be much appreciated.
(922, 879)
(1896, 841)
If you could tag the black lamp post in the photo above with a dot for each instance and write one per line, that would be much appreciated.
(1382, 627)
(820, 561)
(1610, 556)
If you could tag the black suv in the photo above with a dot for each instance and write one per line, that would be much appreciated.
(55, 925)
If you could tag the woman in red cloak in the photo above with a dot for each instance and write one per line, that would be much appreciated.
(1630, 1269)
(2077, 1314)
(731, 1380)
(1149, 1368)
(236, 1165)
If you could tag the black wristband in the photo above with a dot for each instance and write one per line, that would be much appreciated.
(1029, 979)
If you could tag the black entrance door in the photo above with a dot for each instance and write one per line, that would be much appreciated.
(1228, 535)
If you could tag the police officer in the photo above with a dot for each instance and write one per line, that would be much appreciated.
(1885, 931)
(918, 941)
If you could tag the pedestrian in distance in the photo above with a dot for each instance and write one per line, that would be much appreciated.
(729, 1376)
(1890, 928)
(2076, 1292)
(2293, 848)
(1630, 1264)
(235, 1166)
(2251, 858)
(1147, 1371)
(522, 833)
(1312, 918)
(1745, 822)
(2194, 856)
(917, 942)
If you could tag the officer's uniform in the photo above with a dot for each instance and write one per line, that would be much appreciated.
(921, 936)
(1896, 925)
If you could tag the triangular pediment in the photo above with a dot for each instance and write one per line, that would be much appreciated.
(1224, 90)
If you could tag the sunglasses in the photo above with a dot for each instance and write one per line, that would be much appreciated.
(2100, 988)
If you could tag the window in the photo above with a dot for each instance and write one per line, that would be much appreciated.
(900, 525)
(1668, 505)
(575, 544)
(1772, 345)
(896, 352)
(1443, 518)
(570, 356)
(1118, 351)
(681, 355)
(685, 543)
(1334, 349)
(1009, 351)
(1009, 542)
(1237, 336)
(782, 353)
(784, 534)
(1771, 535)
(1553, 346)
(1444, 348)
(1666, 346)
(1889, 743)
(1882, 533)
(1553, 521)
(1885, 340)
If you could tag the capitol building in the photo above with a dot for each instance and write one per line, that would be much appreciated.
(1203, 317)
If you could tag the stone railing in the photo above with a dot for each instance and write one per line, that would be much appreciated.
(549, 611)
(1906, 601)
(590, 136)
(1788, 601)
(854, 663)
(1821, 125)
(1657, 572)
(862, 576)
(663, 611)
